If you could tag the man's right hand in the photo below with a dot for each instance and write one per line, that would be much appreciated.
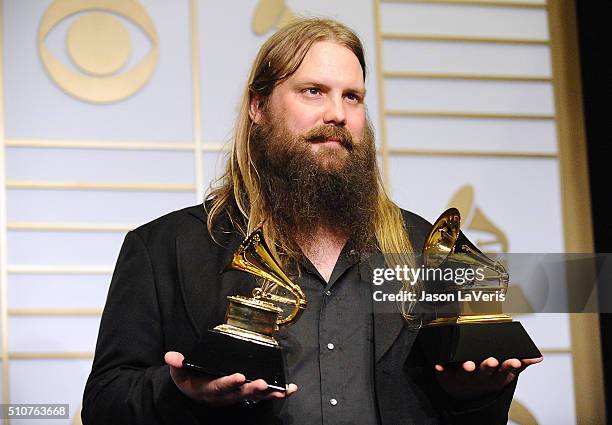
(220, 392)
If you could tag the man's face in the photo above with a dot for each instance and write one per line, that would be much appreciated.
(327, 90)
(314, 150)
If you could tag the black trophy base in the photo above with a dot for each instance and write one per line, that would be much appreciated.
(221, 354)
(476, 341)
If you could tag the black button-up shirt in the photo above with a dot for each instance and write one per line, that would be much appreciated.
(329, 351)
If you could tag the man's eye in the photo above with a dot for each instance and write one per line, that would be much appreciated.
(312, 91)
(353, 98)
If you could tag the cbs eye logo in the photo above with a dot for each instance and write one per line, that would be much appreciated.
(99, 45)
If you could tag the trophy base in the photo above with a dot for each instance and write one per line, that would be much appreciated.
(454, 343)
(220, 354)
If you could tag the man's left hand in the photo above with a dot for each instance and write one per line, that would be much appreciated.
(467, 381)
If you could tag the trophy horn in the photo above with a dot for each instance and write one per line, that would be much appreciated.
(446, 244)
(254, 257)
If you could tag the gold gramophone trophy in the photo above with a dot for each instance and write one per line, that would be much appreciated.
(478, 329)
(244, 343)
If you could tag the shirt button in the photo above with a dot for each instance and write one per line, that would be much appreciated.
(328, 293)
(333, 401)
(330, 346)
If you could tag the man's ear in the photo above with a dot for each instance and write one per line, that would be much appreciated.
(255, 109)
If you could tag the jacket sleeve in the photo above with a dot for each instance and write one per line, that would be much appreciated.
(422, 385)
(130, 382)
(491, 410)
(488, 410)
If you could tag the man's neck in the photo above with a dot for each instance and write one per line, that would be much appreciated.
(323, 249)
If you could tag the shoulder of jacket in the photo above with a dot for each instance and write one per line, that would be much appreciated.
(417, 228)
(415, 221)
(186, 220)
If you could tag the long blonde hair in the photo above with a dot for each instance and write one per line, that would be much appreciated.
(237, 193)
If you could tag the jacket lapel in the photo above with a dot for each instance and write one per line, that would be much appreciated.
(203, 288)
(387, 328)
(388, 322)
(387, 319)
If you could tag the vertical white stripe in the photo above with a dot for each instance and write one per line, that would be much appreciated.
(382, 106)
(3, 235)
(196, 99)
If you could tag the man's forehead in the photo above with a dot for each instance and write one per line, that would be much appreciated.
(333, 62)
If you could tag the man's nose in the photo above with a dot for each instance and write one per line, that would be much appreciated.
(334, 111)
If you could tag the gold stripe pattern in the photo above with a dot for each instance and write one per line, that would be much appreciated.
(382, 119)
(578, 231)
(461, 114)
(463, 39)
(43, 269)
(466, 153)
(484, 3)
(155, 187)
(3, 234)
(69, 227)
(471, 77)
(112, 145)
(196, 99)
(51, 355)
(54, 312)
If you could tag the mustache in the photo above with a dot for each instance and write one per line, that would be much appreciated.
(327, 132)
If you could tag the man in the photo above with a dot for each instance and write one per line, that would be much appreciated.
(303, 161)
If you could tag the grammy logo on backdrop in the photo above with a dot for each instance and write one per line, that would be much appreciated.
(271, 14)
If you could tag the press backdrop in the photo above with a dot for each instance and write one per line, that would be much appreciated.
(116, 111)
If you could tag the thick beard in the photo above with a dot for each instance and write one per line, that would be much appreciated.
(333, 188)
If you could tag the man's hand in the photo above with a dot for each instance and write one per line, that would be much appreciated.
(219, 392)
(467, 381)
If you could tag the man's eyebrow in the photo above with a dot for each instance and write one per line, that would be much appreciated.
(308, 83)
(361, 92)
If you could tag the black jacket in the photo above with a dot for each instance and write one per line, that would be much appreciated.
(167, 289)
